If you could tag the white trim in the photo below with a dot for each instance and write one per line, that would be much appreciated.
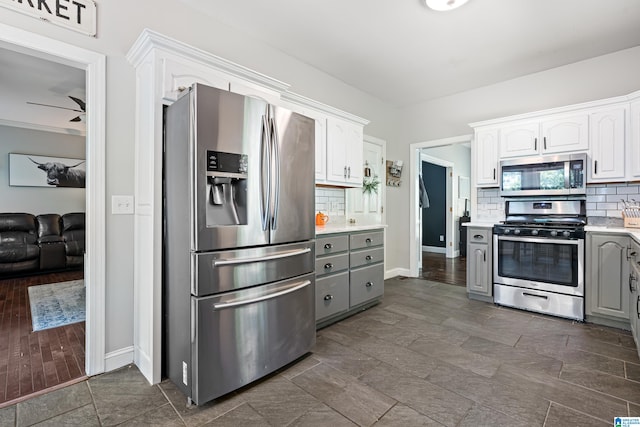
(119, 358)
(396, 272)
(414, 206)
(43, 128)
(434, 249)
(94, 65)
(308, 102)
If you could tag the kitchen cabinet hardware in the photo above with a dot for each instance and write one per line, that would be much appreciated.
(369, 284)
(637, 306)
(368, 257)
(349, 172)
(494, 173)
(328, 246)
(484, 256)
(527, 294)
(368, 240)
(535, 144)
(478, 236)
(595, 167)
(632, 279)
(328, 297)
(544, 142)
(328, 266)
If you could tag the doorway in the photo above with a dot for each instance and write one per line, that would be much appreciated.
(93, 64)
(455, 205)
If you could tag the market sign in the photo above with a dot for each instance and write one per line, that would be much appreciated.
(77, 15)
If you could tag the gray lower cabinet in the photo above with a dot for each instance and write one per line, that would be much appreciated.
(634, 291)
(479, 263)
(349, 274)
(607, 276)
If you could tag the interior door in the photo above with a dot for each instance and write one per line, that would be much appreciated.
(369, 203)
(294, 178)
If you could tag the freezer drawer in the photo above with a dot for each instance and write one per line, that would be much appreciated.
(230, 270)
(332, 295)
(332, 264)
(366, 257)
(332, 244)
(366, 240)
(241, 336)
(367, 283)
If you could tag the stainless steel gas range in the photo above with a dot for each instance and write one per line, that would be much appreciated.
(539, 256)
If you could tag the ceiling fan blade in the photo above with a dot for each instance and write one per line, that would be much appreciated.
(56, 106)
(80, 102)
(76, 119)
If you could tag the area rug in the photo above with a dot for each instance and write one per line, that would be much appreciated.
(57, 304)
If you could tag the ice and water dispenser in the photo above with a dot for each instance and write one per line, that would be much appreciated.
(226, 188)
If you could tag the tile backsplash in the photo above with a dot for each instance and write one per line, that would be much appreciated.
(330, 201)
(603, 200)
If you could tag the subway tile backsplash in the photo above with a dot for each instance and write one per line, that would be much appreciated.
(330, 201)
(603, 200)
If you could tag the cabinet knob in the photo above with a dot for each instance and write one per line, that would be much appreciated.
(368, 257)
(369, 284)
(368, 240)
(328, 246)
(478, 236)
(328, 265)
(328, 297)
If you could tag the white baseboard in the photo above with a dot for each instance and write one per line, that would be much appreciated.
(434, 249)
(118, 359)
(394, 272)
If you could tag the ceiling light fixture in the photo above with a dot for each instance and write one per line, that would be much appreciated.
(444, 5)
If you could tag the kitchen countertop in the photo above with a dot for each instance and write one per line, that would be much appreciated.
(479, 224)
(345, 227)
(631, 232)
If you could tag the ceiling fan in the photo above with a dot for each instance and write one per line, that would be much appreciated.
(81, 104)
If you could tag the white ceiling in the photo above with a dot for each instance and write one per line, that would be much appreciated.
(28, 78)
(404, 53)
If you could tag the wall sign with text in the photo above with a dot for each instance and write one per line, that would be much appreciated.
(77, 15)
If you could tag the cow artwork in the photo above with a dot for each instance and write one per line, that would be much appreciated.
(61, 175)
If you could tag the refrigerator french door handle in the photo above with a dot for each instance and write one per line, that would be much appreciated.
(279, 255)
(265, 152)
(275, 141)
(294, 287)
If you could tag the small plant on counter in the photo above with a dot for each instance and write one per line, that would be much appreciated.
(370, 185)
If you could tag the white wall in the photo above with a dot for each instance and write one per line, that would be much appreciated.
(602, 77)
(119, 24)
(39, 200)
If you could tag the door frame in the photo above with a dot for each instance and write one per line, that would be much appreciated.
(415, 240)
(94, 65)
(449, 190)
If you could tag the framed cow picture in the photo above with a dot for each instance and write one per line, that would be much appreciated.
(44, 171)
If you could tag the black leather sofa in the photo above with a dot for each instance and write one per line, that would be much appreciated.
(43, 243)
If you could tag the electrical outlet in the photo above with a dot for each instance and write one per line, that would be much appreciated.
(441, 238)
(335, 206)
(122, 205)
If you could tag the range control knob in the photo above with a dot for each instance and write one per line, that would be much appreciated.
(566, 234)
(507, 231)
(553, 233)
(516, 231)
(534, 232)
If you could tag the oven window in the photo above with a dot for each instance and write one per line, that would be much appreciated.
(551, 262)
(545, 176)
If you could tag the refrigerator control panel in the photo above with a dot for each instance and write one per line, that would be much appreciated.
(217, 161)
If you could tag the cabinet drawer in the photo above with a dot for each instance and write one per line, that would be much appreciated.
(366, 257)
(479, 235)
(367, 283)
(332, 244)
(332, 295)
(331, 264)
(365, 240)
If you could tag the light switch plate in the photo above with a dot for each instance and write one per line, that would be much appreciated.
(122, 205)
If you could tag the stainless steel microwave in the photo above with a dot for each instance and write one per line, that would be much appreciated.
(544, 176)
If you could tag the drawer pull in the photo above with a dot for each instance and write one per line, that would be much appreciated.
(368, 240)
(369, 284)
(328, 297)
(328, 246)
(535, 296)
(368, 257)
(328, 266)
(478, 236)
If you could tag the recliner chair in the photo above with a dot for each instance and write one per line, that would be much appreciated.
(19, 250)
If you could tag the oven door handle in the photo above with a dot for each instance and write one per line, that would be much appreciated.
(538, 240)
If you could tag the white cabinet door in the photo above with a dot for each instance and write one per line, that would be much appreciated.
(519, 140)
(369, 204)
(607, 133)
(634, 142)
(177, 76)
(344, 152)
(485, 154)
(565, 134)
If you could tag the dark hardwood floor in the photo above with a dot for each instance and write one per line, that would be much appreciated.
(33, 361)
(438, 268)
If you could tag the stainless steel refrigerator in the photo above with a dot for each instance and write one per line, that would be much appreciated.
(238, 240)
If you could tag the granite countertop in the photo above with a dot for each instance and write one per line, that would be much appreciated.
(346, 227)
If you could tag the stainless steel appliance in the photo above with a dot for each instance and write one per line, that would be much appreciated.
(539, 257)
(544, 176)
(238, 240)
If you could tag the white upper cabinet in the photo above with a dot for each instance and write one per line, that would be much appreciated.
(607, 133)
(485, 155)
(550, 135)
(634, 137)
(344, 152)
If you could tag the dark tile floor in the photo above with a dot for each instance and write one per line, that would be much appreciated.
(426, 356)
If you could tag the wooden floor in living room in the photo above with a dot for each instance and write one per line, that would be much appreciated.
(31, 362)
(439, 268)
